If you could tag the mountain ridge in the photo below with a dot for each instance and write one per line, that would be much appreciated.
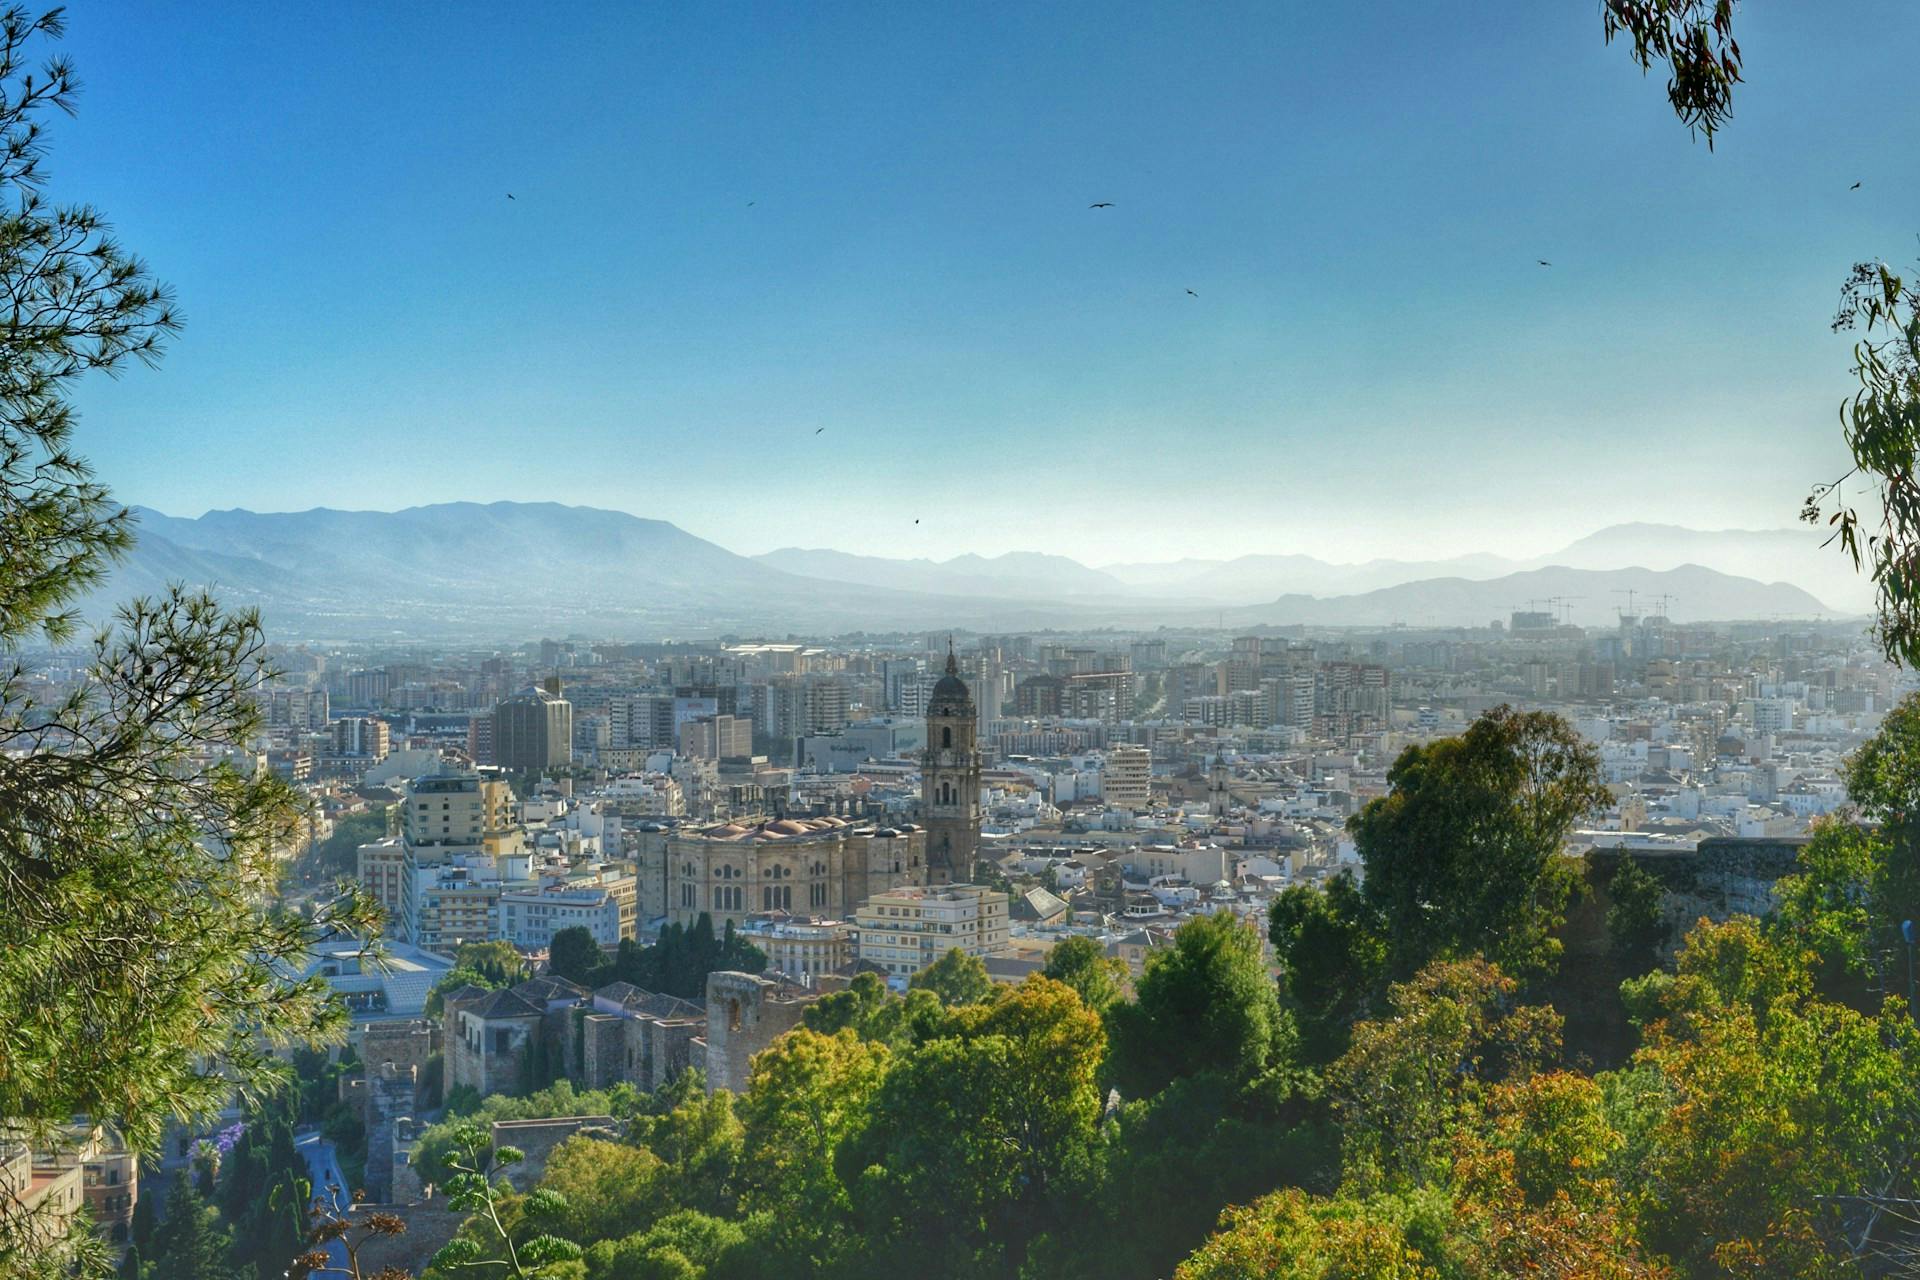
(551, 566)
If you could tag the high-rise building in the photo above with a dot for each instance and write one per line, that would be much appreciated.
(716, 738)
(362, 736)
(1126, 781)
(480, 738)
(367, 688)
(1243, 665)
(950, 779)
(533, 731)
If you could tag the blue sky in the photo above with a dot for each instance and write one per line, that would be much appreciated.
(1374, 364)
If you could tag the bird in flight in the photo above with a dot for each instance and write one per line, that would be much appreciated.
(818, 430)
(1192, 294)
(1854, 187)
(749, 204)
(916, 521)
(509, 195)
(1104, 204)
(1543, 262)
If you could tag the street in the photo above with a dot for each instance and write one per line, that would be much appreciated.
(329, 1185)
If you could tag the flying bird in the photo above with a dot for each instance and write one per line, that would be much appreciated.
(916, 522)
(1543, 262)
(818, 430)
(509, 195)
(1854, 187)
(749, 204)
(1104, 204)
(1192, 294)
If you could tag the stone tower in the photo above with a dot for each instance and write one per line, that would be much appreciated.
(950, 779)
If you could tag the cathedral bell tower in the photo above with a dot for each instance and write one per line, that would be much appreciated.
(950, 779)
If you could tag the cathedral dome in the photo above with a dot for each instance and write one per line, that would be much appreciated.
(950, 696)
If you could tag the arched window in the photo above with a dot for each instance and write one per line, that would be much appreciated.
(946, 735)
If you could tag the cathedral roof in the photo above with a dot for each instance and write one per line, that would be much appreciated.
(950, 693)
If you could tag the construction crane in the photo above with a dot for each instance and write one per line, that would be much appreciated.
(1629, 593)
(1566, 602)
(1665, 602)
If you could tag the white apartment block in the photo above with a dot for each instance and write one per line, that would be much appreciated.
(905, 930)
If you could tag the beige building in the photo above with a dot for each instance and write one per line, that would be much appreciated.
(449, 905)
(905, 930)
(1126, 780)
(814, 866)
(80, 1167)
(463, 811)
(383, 871)
(800, 947)
(716, 737)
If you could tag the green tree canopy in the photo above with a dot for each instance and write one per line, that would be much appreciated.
(1636, 920)
(956, 977)
(867, 1008)
(1783, 1105)
(1333, 952)
(974, 1140)
(1409, 1080)
(574, 955)
(611, 1188)
(1204, 1005)
(683, 1245)
(1464, 856)
(1084, 965)
(189, 1243)
(808, 1093)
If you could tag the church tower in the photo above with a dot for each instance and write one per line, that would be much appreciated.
(950, 779)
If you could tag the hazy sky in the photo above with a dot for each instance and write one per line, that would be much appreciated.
(735, 224)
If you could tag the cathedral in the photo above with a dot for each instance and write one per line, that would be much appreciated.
(950, 779)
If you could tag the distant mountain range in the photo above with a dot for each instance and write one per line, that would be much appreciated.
(1794, 556)
(511, 569)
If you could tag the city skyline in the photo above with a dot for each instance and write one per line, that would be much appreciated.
(828, 247)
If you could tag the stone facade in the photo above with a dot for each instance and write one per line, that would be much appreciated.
(389, 1117)
(806, 866)
(745, 1014)
(1723, 877)
(511, 1041)
(637, 1037)
(387, 1093)
(498, 1041)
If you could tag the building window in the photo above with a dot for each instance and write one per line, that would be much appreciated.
(946, 736)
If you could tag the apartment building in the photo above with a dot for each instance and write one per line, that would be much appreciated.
(602, 902)
(905, 930)
(1126, 780)
(801, 947)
